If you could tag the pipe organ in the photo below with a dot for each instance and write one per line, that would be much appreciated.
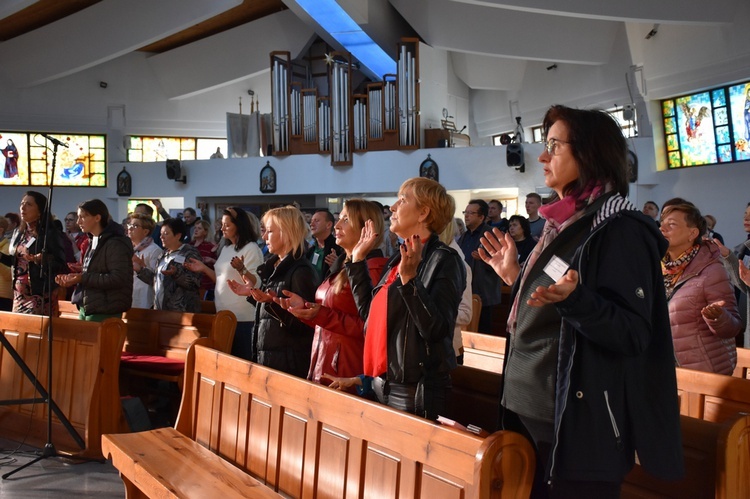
(380, 116)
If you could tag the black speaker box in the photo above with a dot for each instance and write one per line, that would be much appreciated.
(514, 155)
(174, 172)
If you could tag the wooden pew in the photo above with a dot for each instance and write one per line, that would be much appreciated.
(483, 351)
(717, 463)
(303, 440)
(86, 359)
(743, 363)
(713, 397)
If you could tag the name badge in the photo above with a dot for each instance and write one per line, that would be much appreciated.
(556, 268)
(179, 259)
(315, 258)
(31, 241)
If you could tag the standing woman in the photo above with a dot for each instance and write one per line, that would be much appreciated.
(520, 230)
(146, 253)
(411, 311)
(702, 308)
(240, 256)
(6, 277)
(30, 273)
(104, 287)
(339, 330)
(280, 340)
(590, 369)
(175, 286)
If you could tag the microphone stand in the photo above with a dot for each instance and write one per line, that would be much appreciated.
(49, 449)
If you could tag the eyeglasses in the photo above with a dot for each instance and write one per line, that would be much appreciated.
(470, 212)
(551, 145)
(70, 219)
(134, 226)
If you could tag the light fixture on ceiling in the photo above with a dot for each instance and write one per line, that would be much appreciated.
(552, 68)
(653, 32)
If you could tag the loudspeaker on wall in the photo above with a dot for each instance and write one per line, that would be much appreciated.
(514, 155)
(174, 171)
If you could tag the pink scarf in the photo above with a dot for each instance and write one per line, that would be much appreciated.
(559, 215)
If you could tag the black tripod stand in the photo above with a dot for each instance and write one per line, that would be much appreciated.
(45, 394)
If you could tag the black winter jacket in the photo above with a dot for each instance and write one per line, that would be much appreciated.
(421, 313)
(616, 392)
(107, 284)
(280, 340)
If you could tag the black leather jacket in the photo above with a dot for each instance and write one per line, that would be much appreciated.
(421, 313)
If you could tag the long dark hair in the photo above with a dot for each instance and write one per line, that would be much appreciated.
(598, 146)
(96, 207)
(524, 222)
(245, 231)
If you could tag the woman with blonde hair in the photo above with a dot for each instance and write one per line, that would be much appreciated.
(339, 330)
(411, 310)
(146, 254)
(280, 340)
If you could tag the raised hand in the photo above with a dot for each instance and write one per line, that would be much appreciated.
(744, 273)
(342, 383)
(238, 263)
(138, 263)
(366, 242)
(331, 257)
(67, 280)
(241, 289)
(498, 250)
(411, 255)
(297, 306)
(554, 293)
(713, 311)
(194, 265)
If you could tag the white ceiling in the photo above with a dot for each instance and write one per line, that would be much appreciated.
(489, 41)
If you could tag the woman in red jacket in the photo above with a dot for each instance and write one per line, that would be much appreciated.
(339, 340)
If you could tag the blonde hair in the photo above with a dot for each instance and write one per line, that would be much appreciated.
(359, 211)
(450, 231)
(293, 227)
(432, 195)
(147, 222)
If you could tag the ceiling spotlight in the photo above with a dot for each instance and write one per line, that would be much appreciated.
(653, 32)
(552, 68)
(103, 84)
(250, 92)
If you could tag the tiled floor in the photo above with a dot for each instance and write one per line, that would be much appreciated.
(54, 476)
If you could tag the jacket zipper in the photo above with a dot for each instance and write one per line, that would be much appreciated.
(612, 420)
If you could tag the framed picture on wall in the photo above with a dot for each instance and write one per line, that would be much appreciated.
(267, 179)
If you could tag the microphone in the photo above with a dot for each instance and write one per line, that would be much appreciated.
(461, 131)
(53, 140)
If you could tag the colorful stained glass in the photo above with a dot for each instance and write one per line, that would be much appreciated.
(667, 108)
(670, 126)
(739, 109)
(720, 116)
(722, 135)
(718, 98)
(672, 144)
(674, 159)
(725, 153)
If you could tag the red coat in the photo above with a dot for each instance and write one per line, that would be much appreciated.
(339, 330)
(702, 344)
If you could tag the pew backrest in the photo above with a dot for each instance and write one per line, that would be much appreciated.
(743, 363)
(483, 351)
(710, 396)
(299, 437)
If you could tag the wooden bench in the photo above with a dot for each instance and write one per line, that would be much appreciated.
(86, 359)
(483, 351)
(743, 363)
(306, 440)
(713, 397)
(717, 463)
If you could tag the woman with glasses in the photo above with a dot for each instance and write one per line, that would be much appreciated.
(339, 340)
(176, 287)
(589, 375)
(239, 258)
(31, 266)
(104, 284)
(280, 340)
(146, 254)
(411, 310)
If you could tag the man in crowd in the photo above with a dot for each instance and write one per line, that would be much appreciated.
(485, 282)
(536, 222)
(324, 242)
(651, 210)
(495, 216)
(189, 216)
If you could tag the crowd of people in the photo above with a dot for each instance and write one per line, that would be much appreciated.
(605, 300)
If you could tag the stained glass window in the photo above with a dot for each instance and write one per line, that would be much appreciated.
(153, 149)
(29, 159)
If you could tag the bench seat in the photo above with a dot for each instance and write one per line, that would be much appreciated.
(166, 463)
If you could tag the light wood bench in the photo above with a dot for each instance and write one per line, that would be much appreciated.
(713, 397)
(306, 440)
(483, 351)
(86, 359)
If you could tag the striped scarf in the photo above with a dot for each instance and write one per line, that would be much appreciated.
(672, 270)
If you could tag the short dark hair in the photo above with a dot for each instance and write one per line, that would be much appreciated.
(497, 203)
(484, 208)
(692, 216)
(329, 215)
(524, 224)
(16, 220)
(652, 203)
(177, 226)
(597, 144)
(676, 201)
(96, 207)
(189, 210)
(148, 208)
